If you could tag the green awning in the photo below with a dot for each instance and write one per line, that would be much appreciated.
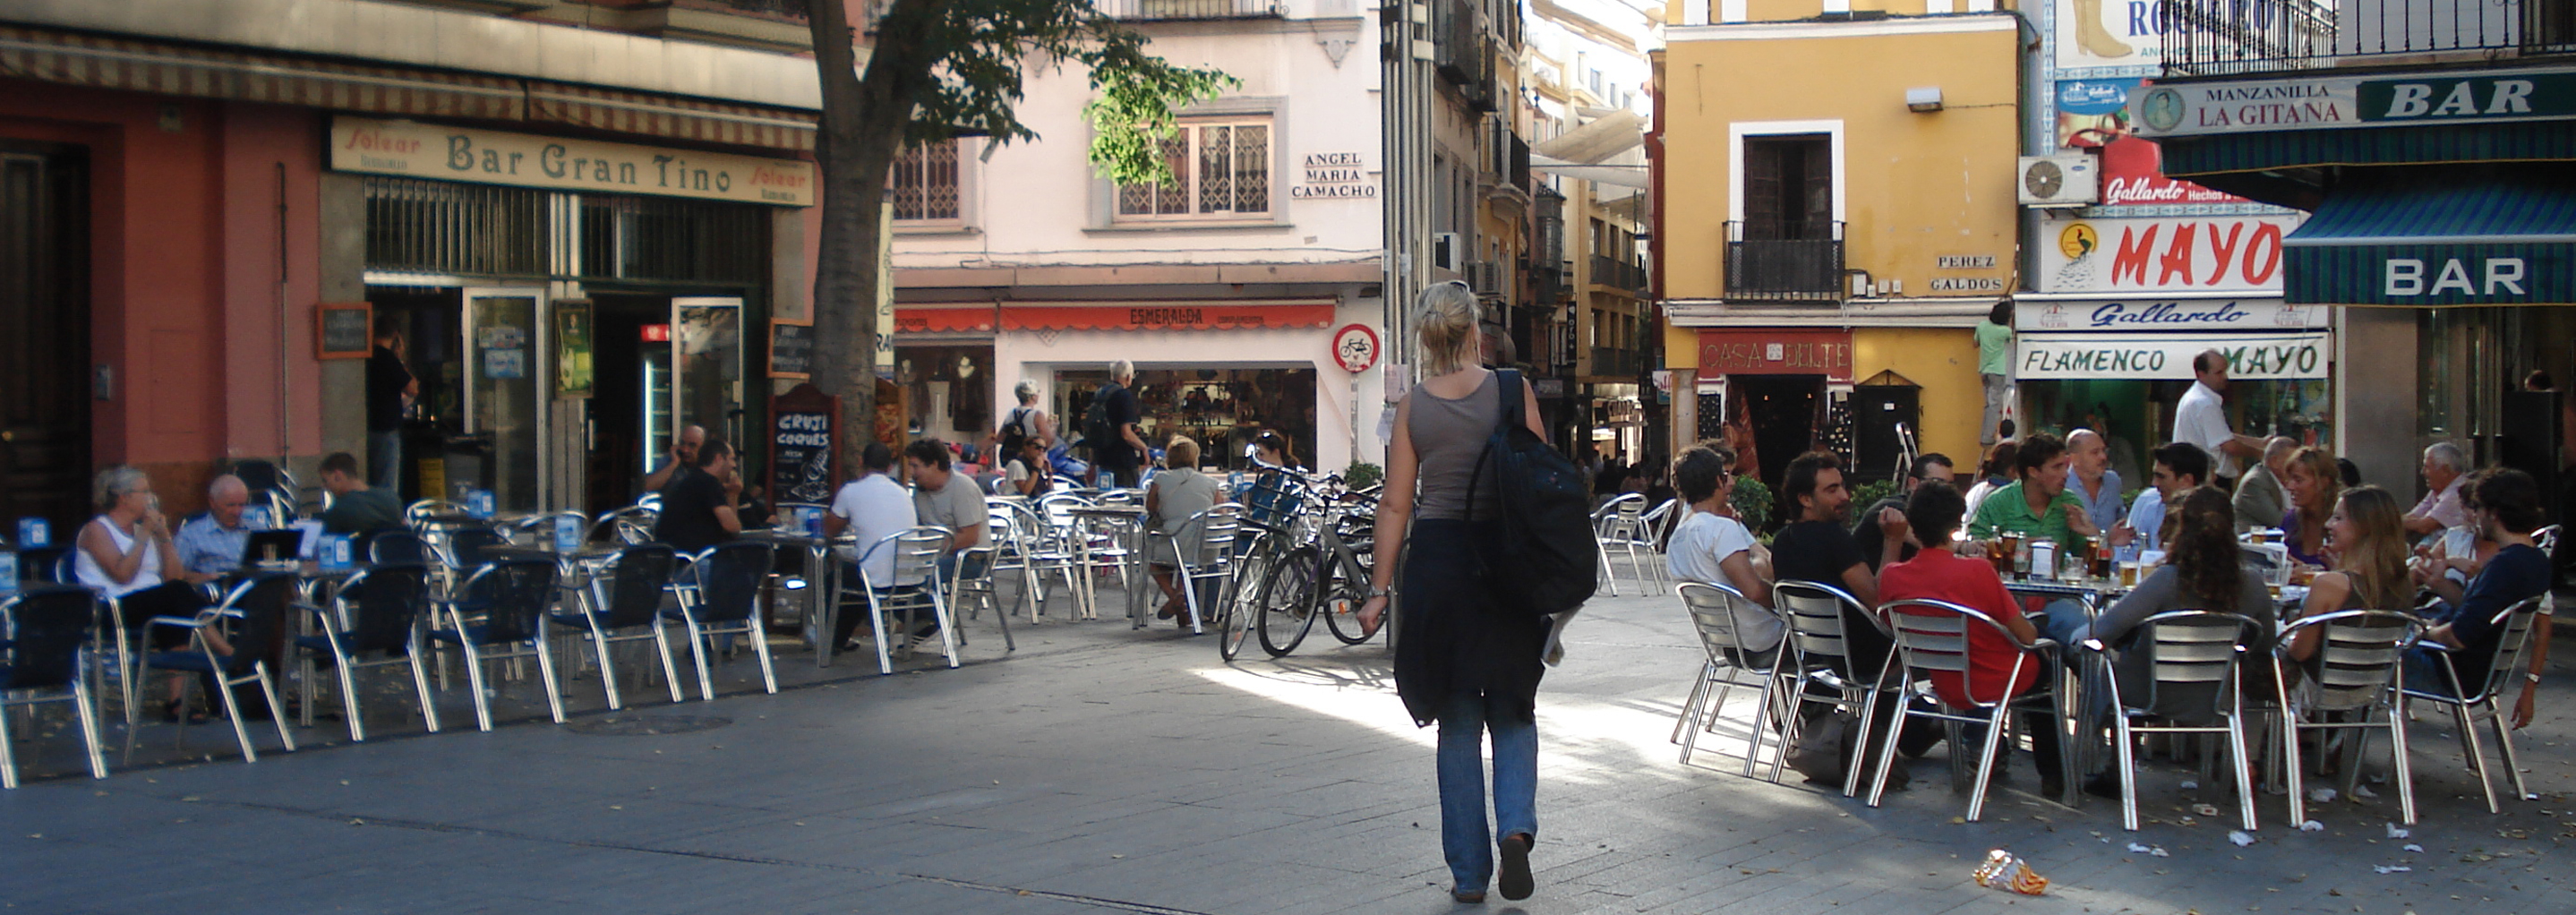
(2487, 237)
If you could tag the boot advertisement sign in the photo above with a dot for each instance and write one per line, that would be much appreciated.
(2110, 33)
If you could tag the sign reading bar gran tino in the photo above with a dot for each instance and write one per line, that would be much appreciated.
(415, 150)
(2146, 357)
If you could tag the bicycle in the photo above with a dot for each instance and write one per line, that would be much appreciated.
(1325, 574)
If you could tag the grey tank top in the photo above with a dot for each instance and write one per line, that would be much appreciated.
(1448, 440)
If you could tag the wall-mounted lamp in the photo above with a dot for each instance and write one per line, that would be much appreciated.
(1923, 99)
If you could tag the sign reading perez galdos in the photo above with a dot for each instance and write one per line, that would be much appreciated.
(495, 157)
(2351, 101)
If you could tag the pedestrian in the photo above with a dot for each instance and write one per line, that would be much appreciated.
(390, 389)
(1460, 663)
(1024, 423)
(2201, 419)
(1117, 445)
(1994, 366)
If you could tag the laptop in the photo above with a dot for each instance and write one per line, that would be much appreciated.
(266, 545)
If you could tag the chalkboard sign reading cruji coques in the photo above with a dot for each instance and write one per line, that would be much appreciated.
(804, 447)
(341, 330)
(791, 349)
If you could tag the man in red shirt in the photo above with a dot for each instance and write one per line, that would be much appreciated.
(1936, 573)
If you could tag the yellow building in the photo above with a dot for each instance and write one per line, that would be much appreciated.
(1836, 209)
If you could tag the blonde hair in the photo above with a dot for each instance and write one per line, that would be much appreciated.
(2319, 464)
(2376, 560)
(1445, 325)
(1181, 452)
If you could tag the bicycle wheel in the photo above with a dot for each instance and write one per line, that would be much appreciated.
(1236, 612)
(1341, 607)
(1287, 606)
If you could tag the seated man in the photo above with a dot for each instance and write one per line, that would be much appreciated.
(211, 545)
(945, 498)
(2505, 506)
(356, 508)
(1869, 527)
(1711, 547)
(1816, 547)
(2180, 468)
(869, 508)
(699, 505)
(1941, 574)
(2041, 506)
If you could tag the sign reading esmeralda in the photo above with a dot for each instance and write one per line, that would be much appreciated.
(2168, 357)
(2309, 103)
(415, 150)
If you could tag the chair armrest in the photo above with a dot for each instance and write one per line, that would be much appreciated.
(183, 622)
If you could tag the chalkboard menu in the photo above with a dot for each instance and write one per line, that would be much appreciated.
(804, 452)
(341, 330)
(791, 349)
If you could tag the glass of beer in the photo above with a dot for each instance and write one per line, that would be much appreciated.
(2129, 574)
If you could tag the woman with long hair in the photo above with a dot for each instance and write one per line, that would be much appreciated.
(2366, 557)
(2312, 481)
(1459, 663)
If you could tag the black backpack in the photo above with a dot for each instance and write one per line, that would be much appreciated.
(1015, 432)
(1548, 561)
(1097, 431)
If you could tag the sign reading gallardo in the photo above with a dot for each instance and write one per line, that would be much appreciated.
(417, 150)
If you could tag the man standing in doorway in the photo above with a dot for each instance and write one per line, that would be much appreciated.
(2201, 419)
(390, 389)
(1119, 448)
(1994, 365)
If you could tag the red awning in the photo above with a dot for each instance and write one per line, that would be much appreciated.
(1169, 316)
(977, 319)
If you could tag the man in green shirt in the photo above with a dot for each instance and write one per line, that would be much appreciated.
(2039, 506)
(1994, 365)
(356, 508)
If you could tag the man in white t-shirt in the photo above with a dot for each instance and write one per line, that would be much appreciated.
(869, 508)
(1716, 549)
(2201, 419)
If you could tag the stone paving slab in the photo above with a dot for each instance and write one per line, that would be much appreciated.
(1101, 769)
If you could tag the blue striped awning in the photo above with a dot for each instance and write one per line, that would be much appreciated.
(2495, 238)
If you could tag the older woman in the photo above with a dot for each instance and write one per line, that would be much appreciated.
(2366, 558)
(1179, 492)
(126, 554)
(2312, 482)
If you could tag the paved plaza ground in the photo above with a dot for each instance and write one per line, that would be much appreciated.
(1100, 769)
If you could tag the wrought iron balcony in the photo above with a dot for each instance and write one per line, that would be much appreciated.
(1784, 261)
(2228, 37)
(1193, 9)
(1618, 274)
(1617, 362)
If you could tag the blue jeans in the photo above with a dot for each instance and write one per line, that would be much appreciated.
(1463, 837)
(2062, 619)
(384, 460)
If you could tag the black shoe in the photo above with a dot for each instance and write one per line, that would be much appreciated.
(2104, 785)
(1515, 880)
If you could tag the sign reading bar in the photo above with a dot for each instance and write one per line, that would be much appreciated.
(417, 150)
(2352, 101)
(2168, 357)
(2435, 273)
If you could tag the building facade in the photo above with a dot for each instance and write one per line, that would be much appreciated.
(583, 232)
(1833, 215)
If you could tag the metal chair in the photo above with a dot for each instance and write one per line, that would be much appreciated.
(1204, 550)
(462, 548)
(398, 547)
(417, 514)
(499, 613)
(1714, 609)
(974, 578)
(391, 602)
(1620, 524)
(1817, 615)
(720, 595)
(2514, 625)
(51, 564)
(1935, 640)
(1043, 547)
(44, 633)
(625, 592)
(2357, 670)
(1660, 522)
(259, 604)
(914, 586)
(633, 524)
(2194, 666)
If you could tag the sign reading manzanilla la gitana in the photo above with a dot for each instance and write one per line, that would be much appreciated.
(2238, 106)
(2434, 273)
(2168, 357)
(558, 163)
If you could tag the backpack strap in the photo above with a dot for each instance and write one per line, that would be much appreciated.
(1507, 385)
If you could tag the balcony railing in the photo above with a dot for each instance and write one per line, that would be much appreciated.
(1784, 261)
(2225, 37)
(1193, 9)
(1618, 274)
(1615, 362)
(782, 10)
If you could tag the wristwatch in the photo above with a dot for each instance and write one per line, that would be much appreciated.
(1390, 594)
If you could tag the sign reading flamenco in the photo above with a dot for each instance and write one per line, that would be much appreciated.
(2168, 357)
(416, 150)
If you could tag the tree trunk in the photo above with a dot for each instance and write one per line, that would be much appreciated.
(862, 130)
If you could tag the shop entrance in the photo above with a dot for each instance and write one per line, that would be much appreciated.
(664, 364)
(1783, 410)
(44, 336)
(1221, 409)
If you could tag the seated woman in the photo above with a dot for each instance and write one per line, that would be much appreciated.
(1272, 448)
(2311, 481)
(1711, 547)
(1177, 493)
(2001, 469)
(1937, 573)
(125, 553)
(2366, 559)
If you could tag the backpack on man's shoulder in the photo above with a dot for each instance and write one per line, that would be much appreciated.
(1549, 559)
(1016, 431)
(1097, 430)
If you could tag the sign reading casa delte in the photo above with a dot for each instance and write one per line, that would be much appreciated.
(416, 150)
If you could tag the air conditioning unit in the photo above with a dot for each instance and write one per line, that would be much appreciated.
(1486, 277)
(1445, 252)
(2062, 180)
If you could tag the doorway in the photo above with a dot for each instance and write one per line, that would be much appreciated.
(1783, 410)
(44, 334)
(629, 419)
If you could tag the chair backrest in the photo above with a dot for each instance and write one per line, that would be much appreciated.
(1713, 609)
(261, 600)
(513, 595)
(47, 563)
(916, 554)
(417, 513)
(729, 576)
(397, 546)
(1628, 511)
(2193, 658)
(2513, 633)
(628, 588)
(1815, 616)
(2546, 539)
(1057, 508)
(46, 627)
(631, 525)
(1205, 540)
(390, 598)
(1660, 521)
(465, 545)
(2357, 656)
(1932, 637)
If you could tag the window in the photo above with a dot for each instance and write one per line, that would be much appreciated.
(1788, 187)
(1222, 170)
(924, 181)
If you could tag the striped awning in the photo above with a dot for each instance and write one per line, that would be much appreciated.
(2490, 237)
(170, 69)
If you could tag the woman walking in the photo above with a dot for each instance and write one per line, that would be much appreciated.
(1461, 661)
